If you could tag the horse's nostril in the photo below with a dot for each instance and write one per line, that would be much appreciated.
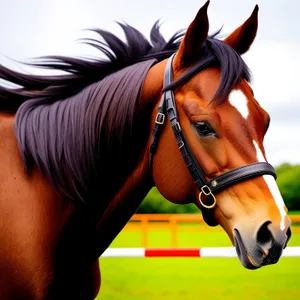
(265, 238)
(288, 235)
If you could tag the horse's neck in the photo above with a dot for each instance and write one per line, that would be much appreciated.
(123, 206)
(139, 182)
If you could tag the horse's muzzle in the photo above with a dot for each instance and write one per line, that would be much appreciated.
(266, 249)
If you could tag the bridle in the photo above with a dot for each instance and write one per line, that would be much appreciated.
(209, 188)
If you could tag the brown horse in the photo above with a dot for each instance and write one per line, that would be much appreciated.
(75, 154)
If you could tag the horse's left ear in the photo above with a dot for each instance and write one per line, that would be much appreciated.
(242, 38)
(192, 43)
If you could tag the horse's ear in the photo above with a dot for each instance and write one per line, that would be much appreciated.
(241, 39)
(192, 42)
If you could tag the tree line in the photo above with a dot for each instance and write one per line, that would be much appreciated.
(288, 181)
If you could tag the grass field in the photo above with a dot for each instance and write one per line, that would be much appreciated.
(194, 278)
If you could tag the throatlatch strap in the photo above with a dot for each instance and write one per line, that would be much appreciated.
(187, 154)
(159, 121)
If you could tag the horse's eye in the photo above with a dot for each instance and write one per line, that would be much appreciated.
(204, 129)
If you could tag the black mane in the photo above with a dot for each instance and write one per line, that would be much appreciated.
(83, 72)
(85, 129)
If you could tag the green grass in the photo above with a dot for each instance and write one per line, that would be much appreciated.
(194, 278)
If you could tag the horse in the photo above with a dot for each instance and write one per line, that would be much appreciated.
(80, 151)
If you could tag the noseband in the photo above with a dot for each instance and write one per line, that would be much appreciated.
(167, 107)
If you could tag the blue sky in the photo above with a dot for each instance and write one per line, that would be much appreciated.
(33, 28)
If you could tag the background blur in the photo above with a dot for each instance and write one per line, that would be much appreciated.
(34, 28)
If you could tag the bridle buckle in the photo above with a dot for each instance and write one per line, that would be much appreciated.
(160, 118)
(207, 192)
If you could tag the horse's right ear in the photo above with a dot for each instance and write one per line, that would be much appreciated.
(242, 38)
(192, 42)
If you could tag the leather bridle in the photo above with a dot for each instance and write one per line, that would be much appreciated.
(167, 107)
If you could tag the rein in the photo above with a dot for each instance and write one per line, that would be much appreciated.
(167, 107)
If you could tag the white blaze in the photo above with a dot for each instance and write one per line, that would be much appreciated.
(238, 99)
(270, 181)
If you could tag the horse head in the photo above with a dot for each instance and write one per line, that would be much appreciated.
(212, 153)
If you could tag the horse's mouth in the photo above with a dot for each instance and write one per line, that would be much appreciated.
(244, 256)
